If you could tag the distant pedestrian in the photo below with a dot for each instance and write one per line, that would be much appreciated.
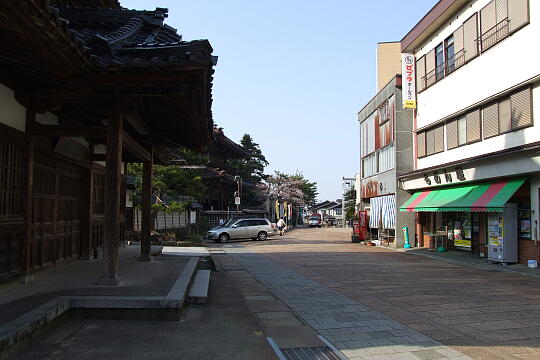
(281, 226)
(221, 222)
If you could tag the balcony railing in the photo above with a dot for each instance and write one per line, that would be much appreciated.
(494, 35)
(455, 62)
(452, 64)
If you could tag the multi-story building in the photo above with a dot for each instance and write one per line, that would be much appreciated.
(388, 62)
(386, 152)
(476, 179)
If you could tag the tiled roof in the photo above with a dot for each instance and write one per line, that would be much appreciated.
(132, 38)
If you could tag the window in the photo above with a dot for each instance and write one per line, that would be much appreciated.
(518, 14)
(508, 114)
(490, 120)
(439, 62)
(263, 222)
(369, 165)
(252, 223)
(386, 159)
(438, 135)
(367, 130)
(452, 134)
(384, 124)
(505, 116)
(521, 109)
(421, 73)
(470, 37)
(473, 126)
(496, 21)
(434, 141)
(462, 131)
(421, 144)
(493, 23)
(449, 54)
(430, 68)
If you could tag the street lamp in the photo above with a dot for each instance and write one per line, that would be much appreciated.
(238, 193)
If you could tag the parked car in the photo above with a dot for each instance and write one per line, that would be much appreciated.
(254, 228)
(315, 221)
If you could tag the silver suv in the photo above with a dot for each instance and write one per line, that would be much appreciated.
(255, 228)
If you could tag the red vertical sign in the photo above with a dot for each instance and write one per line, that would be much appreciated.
(362, 225)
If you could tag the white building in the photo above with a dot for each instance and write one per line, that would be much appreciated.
(476, 141)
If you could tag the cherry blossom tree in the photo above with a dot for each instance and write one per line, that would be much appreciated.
(282, 187)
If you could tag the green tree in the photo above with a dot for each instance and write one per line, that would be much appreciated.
(251, 170)
(349, 203)
(251, 167)
(309, 188)
(170, 181)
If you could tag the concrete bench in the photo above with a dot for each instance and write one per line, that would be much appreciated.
(198, 293)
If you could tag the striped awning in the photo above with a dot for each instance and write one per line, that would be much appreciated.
(489, 196)
(383, 212)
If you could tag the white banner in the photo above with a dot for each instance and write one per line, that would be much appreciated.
(408, 74)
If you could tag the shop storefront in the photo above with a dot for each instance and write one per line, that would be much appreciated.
(488, 219)
(382, 218)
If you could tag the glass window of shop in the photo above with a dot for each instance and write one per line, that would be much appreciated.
(523, 200)
(458, 227)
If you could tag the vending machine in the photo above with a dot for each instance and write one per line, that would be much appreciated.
(502, 235)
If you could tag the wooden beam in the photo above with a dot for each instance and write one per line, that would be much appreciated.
(111, 218)
(146, 216)
(137, 122)
(135, 148)
(75, 131)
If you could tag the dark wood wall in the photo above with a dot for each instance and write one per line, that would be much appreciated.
(56, 217)
(63, 192)
(12, 171)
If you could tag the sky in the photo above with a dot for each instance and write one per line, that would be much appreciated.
(294, 74)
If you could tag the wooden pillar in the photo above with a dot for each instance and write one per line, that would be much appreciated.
(28, 275)
(111, 218)
(146, 214)
(27, 244)
(86, 214)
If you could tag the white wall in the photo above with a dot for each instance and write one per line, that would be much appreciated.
(11, 112)
(507, 64)
(496, 143)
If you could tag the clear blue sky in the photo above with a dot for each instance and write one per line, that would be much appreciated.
(294, 74)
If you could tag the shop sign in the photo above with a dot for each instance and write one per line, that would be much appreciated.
(408, 78)
(377, 185)
(462, 242)
(448, 175)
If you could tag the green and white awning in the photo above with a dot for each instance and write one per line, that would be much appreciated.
(489, 196)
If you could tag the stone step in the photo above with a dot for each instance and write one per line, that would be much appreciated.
(198, 293)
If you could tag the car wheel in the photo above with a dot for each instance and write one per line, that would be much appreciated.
(223, 238)
(262, 236)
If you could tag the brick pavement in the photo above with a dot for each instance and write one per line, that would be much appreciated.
(480, 313)
(359, 332)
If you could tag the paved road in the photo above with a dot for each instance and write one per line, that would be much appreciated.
(375, 303)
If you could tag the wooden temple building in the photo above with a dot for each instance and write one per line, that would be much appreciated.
(87, 86)
(218, 177)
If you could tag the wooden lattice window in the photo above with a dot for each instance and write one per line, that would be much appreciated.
(12, 164)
